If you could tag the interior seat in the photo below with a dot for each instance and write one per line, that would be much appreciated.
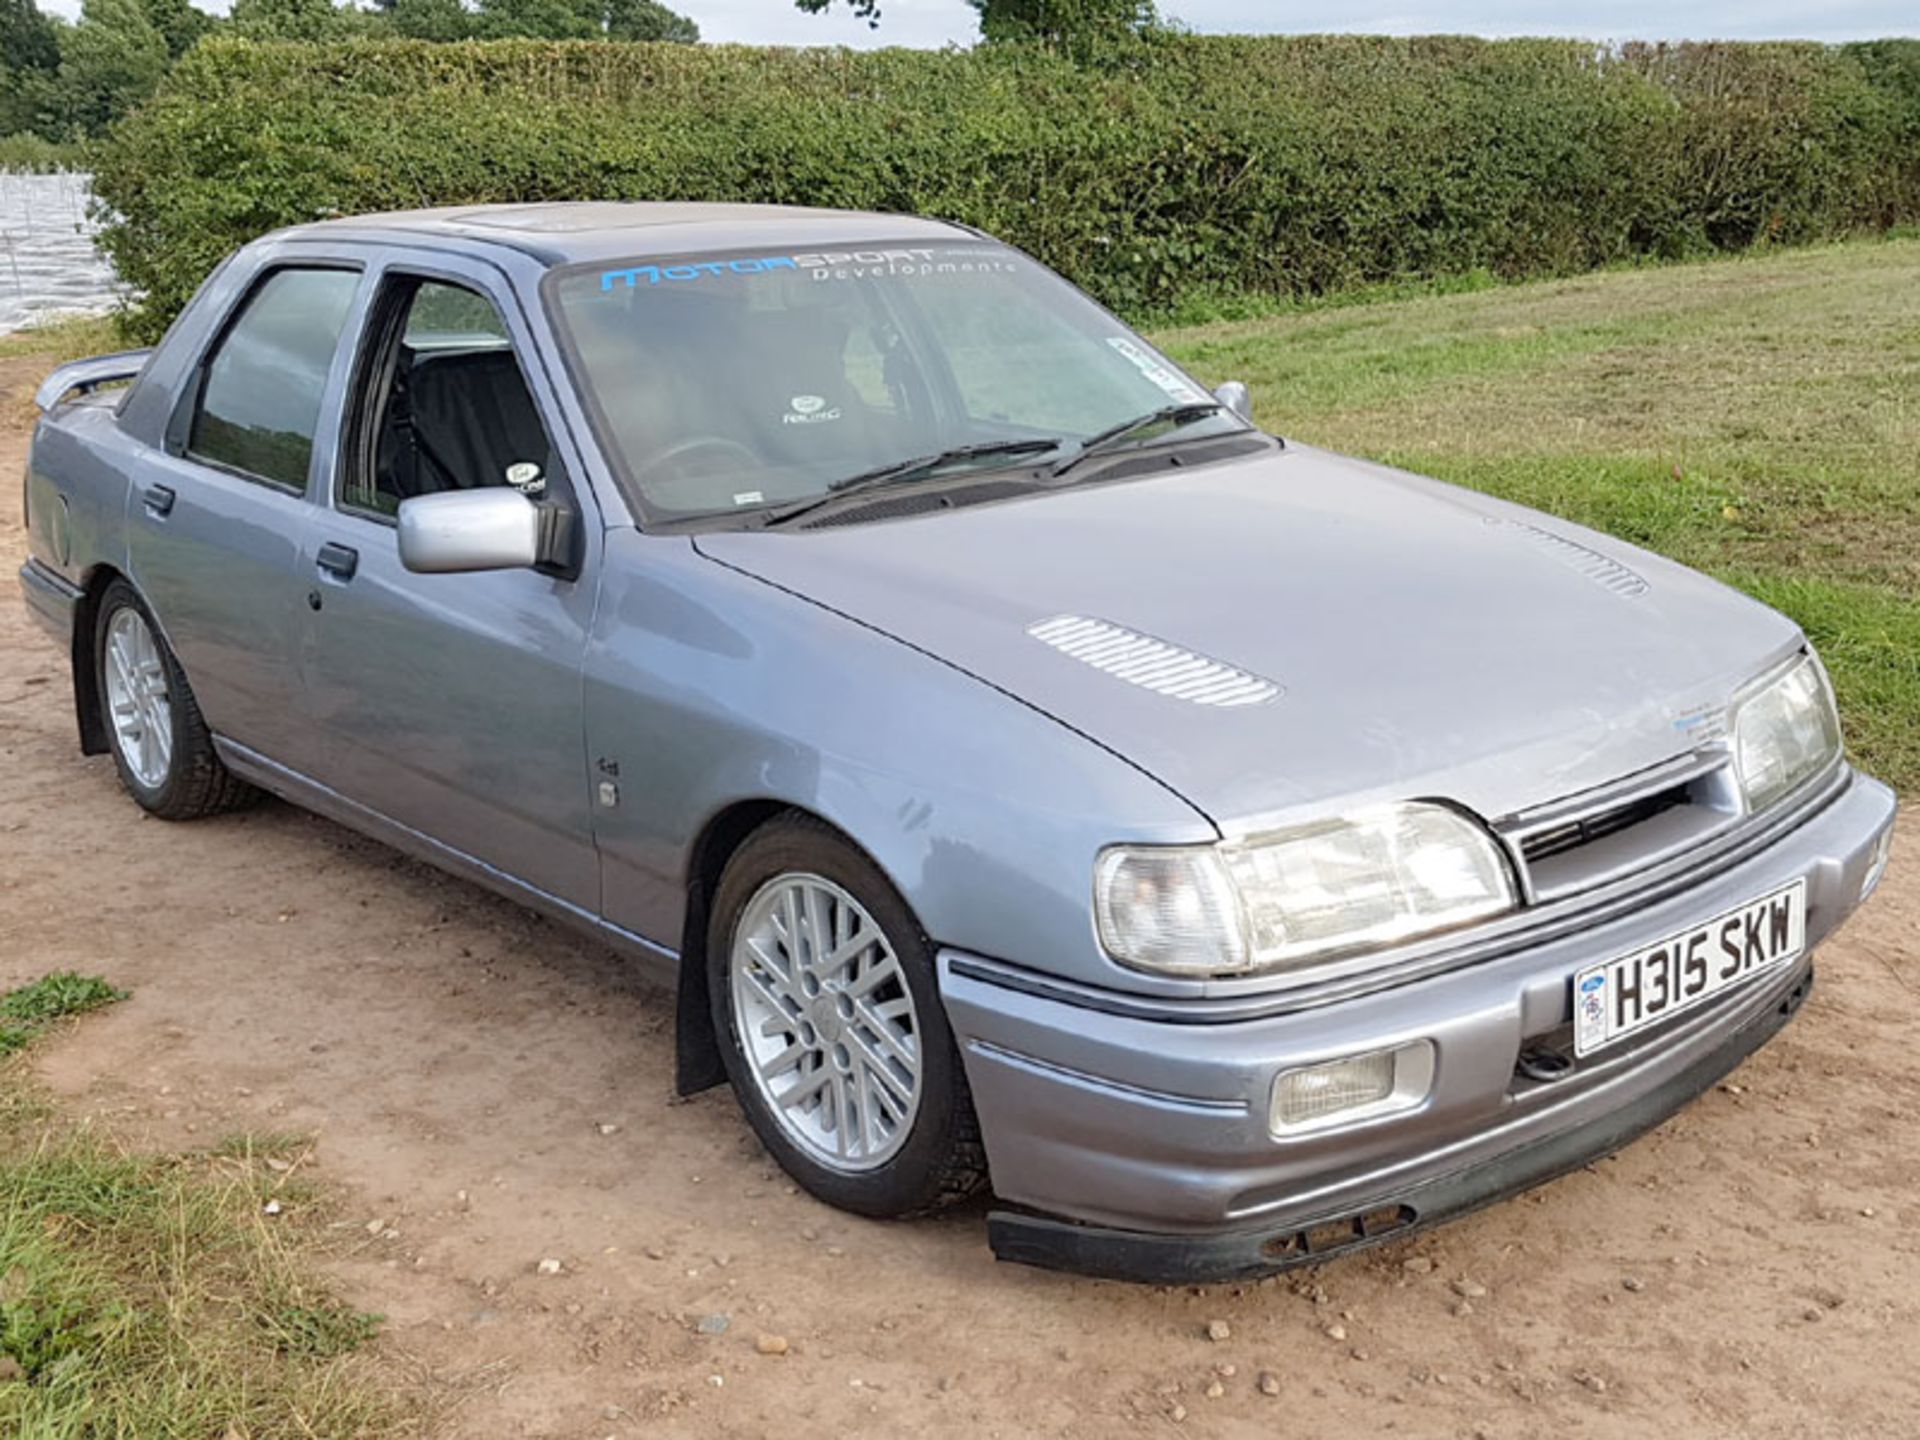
(460, 420)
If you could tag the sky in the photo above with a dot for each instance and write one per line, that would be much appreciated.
(941, 22)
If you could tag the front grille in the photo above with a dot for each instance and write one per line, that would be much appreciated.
(1600, 835)
(1585, 831)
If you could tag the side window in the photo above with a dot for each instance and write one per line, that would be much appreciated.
(259, 401)
(444, 403)
(449, 318)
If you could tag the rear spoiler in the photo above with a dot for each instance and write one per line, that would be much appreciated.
(85, 375)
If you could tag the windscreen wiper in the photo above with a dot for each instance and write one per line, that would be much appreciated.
(1105, 440)
(897, 472)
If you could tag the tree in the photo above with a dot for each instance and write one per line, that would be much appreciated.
(649, 20)
(1074, 23)
(1064, 22)
(29, 70)
(180, 23)
(110, 61)
(28, 39)
(538, 20)
(582, 20)
(867, 10)
(290, 20)
(429, 19)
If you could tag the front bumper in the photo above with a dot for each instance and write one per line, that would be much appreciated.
(53, 599)
(1139, 1148)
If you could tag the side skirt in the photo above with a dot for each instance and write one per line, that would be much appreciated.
(661, 964)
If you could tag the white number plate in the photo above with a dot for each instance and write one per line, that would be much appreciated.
(1613, 999)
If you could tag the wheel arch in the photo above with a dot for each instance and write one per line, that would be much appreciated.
(697, 1063)
(89, 709)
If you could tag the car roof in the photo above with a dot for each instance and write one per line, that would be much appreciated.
(567, 232)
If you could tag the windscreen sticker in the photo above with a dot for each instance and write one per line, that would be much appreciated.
(821, 265)
(698, 270)
(810, 410)
(1159, 374)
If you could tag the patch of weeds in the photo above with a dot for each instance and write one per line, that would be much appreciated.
(317, 1329)
(160, 1295)
(250, 1145)
(29, 1009)
(63, 340)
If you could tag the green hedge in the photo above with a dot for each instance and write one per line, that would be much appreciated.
(1181, 167)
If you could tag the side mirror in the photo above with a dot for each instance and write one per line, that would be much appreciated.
(1233, 394)
(496, 528)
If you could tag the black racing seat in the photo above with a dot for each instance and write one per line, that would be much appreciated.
(794, 393)
(460, 419)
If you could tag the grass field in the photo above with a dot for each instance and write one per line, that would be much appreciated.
(164, 1295)
(1758, 418)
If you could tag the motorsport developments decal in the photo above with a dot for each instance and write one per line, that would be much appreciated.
(823, 265)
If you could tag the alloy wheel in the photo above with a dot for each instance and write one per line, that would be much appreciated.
(826, 1022)
(138, 699)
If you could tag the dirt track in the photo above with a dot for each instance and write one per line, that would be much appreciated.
(1748, 1270)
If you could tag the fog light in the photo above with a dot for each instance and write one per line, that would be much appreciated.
(1877, 866)
(1355, 1087)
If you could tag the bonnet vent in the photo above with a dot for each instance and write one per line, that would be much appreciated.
(1152, 664)
(1603, 570)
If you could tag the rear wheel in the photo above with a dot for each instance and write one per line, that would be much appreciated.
(161, 746)
(825, 999)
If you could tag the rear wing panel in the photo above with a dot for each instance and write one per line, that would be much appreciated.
(83, 376)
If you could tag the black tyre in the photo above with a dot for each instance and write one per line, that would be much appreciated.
(160, 744)
(828, 1011)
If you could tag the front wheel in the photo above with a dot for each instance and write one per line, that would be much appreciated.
(161, 746)
(825, 1000)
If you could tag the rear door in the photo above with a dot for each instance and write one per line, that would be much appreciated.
(451, 704)
(218, 519)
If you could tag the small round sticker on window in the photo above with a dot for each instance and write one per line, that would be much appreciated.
(809, 410)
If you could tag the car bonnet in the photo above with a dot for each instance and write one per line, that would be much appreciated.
(1298, 632)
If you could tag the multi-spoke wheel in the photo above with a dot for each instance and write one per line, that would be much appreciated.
(139, 705)
(824, 995)
(828, 1024)
(161, 746)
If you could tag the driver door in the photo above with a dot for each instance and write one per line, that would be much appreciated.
(450, 705)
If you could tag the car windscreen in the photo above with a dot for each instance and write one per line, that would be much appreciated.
(739, 383)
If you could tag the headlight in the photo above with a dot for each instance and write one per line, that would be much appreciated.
(1169, 909)
(1286, 899)
(1785, 731)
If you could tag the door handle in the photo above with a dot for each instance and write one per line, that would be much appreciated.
(339, 561)
(158, 500)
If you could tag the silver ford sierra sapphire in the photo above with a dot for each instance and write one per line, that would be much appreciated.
(1031, 775)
